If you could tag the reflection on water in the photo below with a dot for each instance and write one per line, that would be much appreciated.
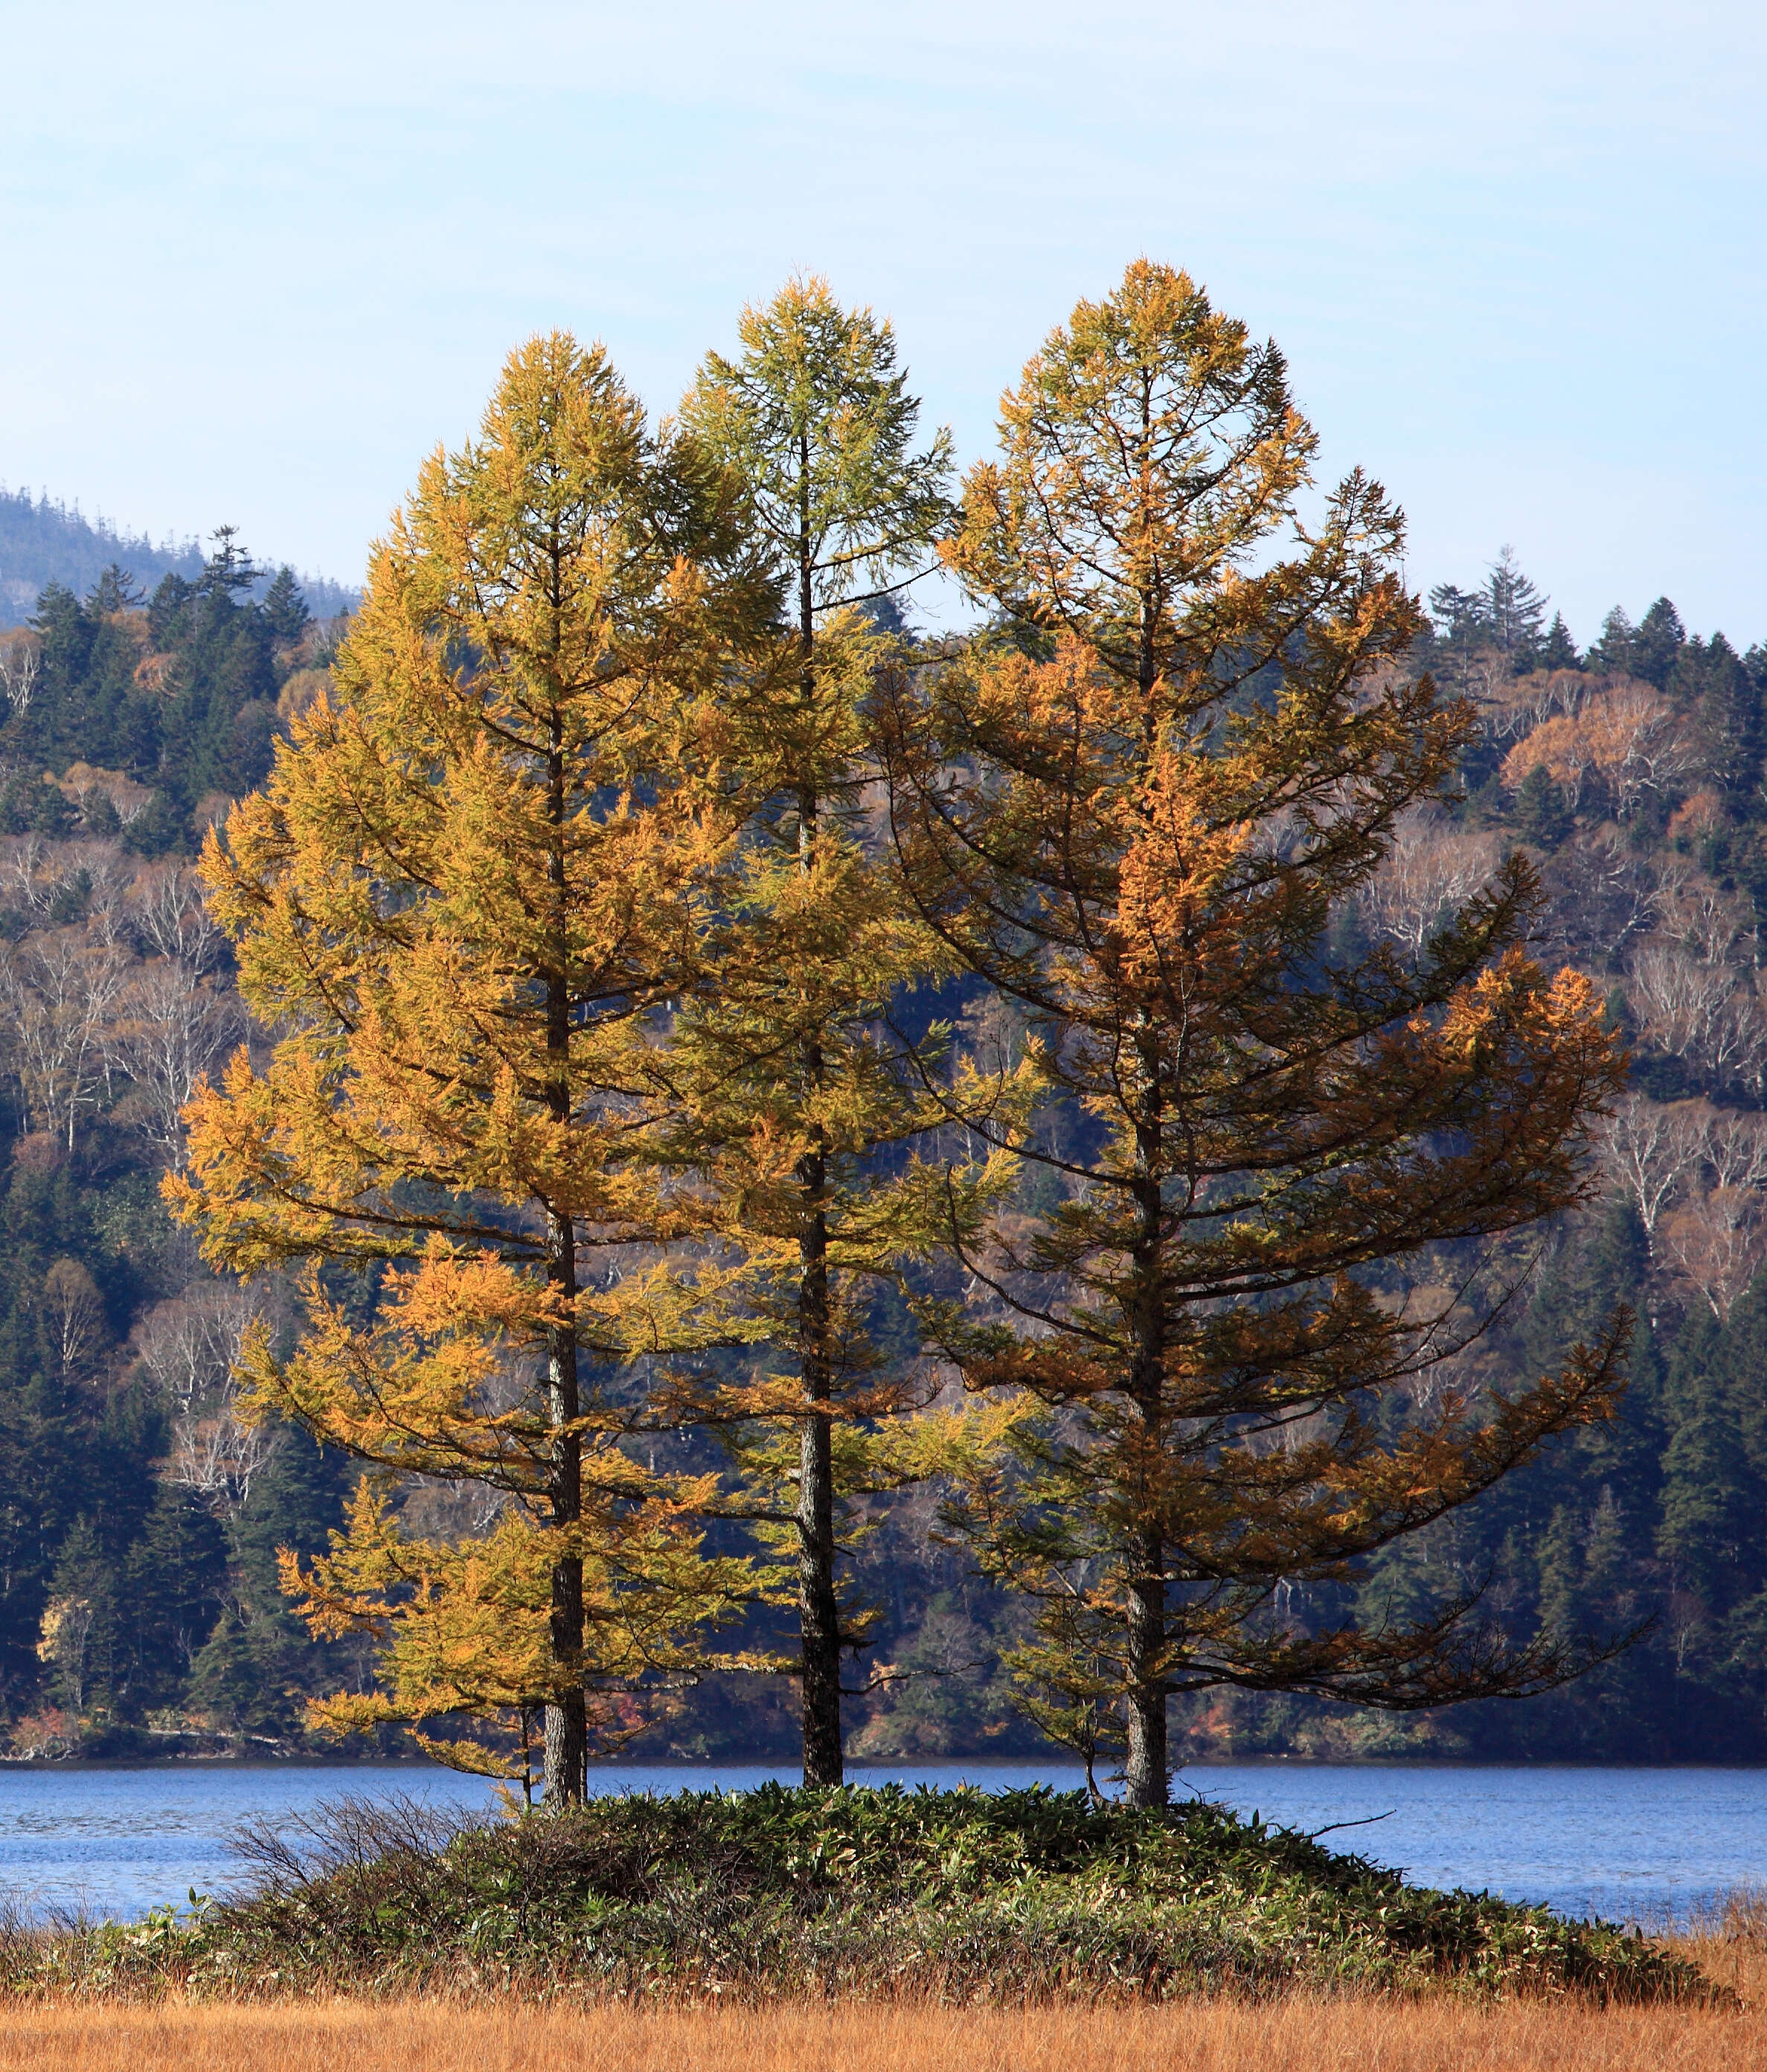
(1627, 1844)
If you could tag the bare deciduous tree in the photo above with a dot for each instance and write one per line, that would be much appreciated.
(1602, 894)
(1512, 707)
(1629, 734)
(75, 1314)
(189, 1347)
(1637, 743)
(1716, 1239)
(20, 663)
(1560, 746)
(172, 1027)
(1734, 1144)
(169, 916)
(1644, 1146)
(58, 994)
(1679, 1001)
(1433, 869)
(65, 1637)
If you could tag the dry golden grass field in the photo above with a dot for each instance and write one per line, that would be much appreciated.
(1294, 2036)
(1300, 2035)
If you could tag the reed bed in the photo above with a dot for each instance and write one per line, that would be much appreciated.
(1299, 2034)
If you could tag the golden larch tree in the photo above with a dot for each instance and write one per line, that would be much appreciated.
(465, 901)
(1136, 811)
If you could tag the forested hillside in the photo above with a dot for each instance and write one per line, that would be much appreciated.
(1632, 774)
(139, 1520)
(43, 543)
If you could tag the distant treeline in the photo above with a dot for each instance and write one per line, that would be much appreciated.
(138, 1521)
(43, 542)
(177, 695)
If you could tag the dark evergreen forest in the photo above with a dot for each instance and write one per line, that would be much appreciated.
(139, 1519)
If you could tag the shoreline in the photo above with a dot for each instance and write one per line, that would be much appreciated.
(862, 1772)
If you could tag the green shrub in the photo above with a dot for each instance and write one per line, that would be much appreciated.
(952, 1895)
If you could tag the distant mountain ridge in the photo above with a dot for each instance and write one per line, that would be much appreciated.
(43, 542)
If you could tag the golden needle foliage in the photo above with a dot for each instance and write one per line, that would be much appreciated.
(605, 1096)
(465, 1626)
(466, 898)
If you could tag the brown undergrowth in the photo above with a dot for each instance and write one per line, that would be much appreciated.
(1300, 2034)
(1689, 2001)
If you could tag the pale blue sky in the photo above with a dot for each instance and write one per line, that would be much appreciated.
(258, 261)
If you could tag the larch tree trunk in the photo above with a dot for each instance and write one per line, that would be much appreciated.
(1145, 1769)
(819, 1616)
(566, 1737)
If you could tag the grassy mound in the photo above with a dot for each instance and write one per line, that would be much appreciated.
(953, 1896)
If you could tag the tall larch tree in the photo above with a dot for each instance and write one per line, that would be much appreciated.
(465, 900)
(802, 1098)
(1135, 813)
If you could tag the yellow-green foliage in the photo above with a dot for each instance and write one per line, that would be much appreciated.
(797, 1085)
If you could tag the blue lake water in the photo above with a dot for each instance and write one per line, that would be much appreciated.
(1630, 1844)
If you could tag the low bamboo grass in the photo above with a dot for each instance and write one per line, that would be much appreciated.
(950, 1897)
